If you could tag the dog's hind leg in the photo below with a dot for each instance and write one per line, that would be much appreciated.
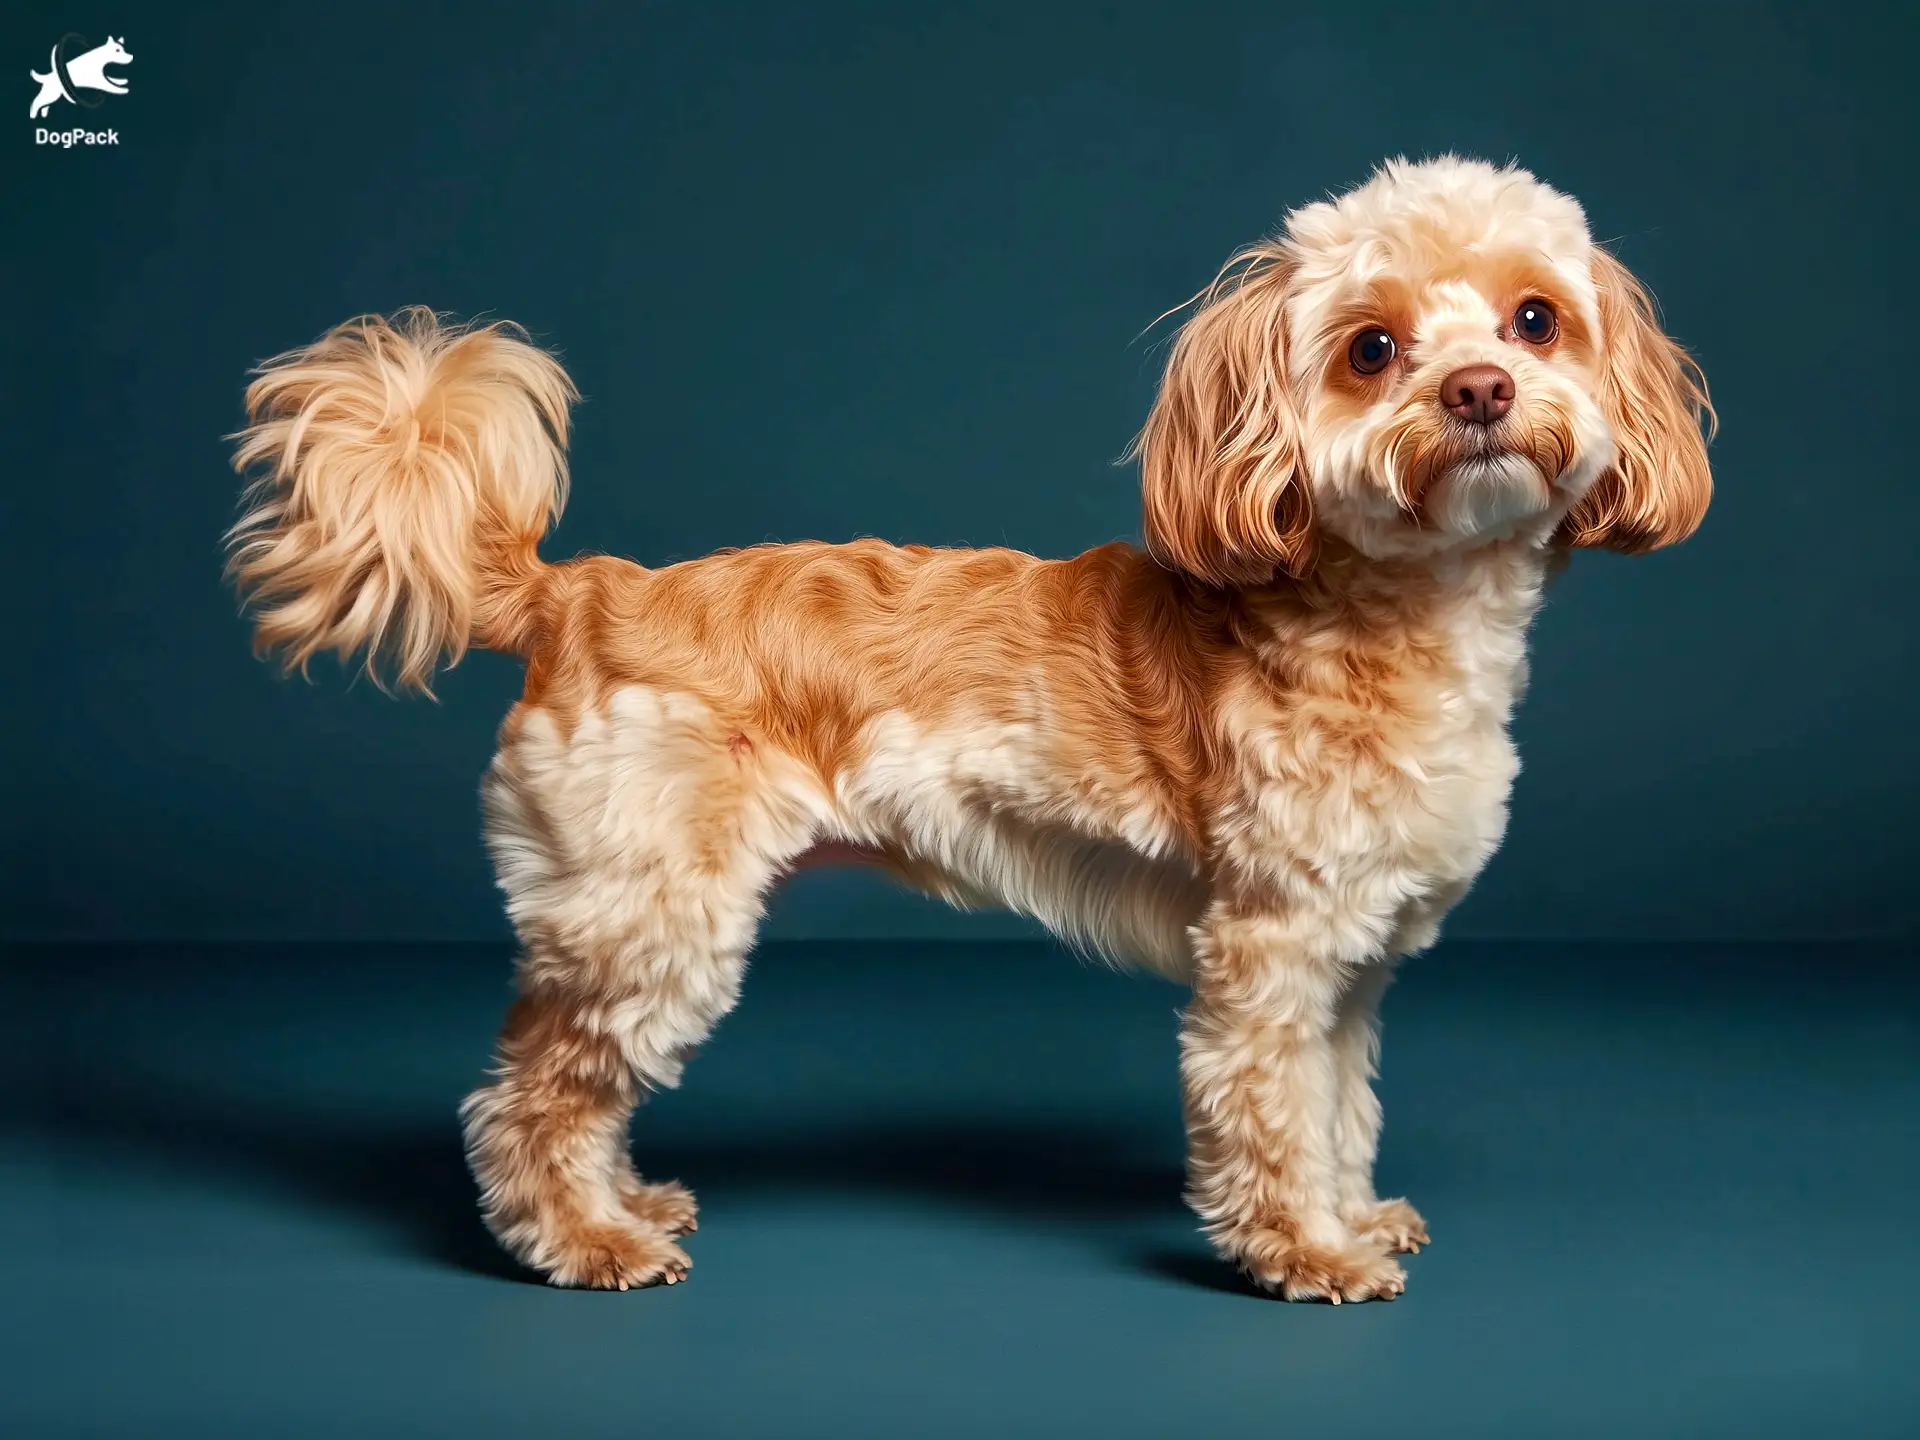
(635, 853)
(547, 1141)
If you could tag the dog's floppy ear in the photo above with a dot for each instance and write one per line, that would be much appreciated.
(1655, 399)
(1222, 480)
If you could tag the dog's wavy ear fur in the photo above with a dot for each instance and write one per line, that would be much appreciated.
(1222, 476)
(1655, 399)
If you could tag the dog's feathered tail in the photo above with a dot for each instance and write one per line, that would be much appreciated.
(404, 471)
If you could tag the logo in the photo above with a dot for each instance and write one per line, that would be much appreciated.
(72, 74)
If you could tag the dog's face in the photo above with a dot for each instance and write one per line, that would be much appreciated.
(1439, 359)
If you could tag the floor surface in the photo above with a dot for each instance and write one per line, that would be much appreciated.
(1671, 1192)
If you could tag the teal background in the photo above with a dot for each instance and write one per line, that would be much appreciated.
(833, 269)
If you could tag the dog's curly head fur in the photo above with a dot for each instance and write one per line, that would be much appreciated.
(1306, 399)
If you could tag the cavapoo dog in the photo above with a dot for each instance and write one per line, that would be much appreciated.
(1264, 754)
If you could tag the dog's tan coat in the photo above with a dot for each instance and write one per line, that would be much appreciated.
(1265, 756)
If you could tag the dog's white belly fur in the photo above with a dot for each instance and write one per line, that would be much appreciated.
(651, 808)
(982, 808)
(1388, 853)
(651, 814)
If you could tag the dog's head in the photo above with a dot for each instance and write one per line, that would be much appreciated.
(1438, 359)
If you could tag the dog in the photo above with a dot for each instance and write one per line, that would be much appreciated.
(87, 71)
(1264, 754)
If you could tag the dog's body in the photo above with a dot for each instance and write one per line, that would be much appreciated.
(88, 71)
(1265, 758)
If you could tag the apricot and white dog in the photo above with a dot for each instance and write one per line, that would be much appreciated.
(1264, 755)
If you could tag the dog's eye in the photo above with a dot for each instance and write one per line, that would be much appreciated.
(1372, 351)
(1534, 323)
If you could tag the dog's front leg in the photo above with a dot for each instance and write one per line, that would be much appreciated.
(1261, 1084)
(1356, 1048)
(1356, 1053)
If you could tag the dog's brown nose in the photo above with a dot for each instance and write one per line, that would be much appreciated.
(1480, 393)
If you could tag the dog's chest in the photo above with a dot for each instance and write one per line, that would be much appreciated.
(1391, 786)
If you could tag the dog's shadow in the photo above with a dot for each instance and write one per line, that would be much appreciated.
(410, 1184)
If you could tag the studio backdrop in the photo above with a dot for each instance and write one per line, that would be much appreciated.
(831, 270)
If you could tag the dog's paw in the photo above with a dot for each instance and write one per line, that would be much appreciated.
(1360, 1271)
(611, 1257)
(1394, 1224)
(666, 1204)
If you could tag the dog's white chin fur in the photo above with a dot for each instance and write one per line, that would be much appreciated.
(1481, 501)
(1490, 496)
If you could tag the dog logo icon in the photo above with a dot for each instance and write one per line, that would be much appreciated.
(72, 75)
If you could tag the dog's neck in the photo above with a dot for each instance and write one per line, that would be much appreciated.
(1344, 575)
(1463, 611)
